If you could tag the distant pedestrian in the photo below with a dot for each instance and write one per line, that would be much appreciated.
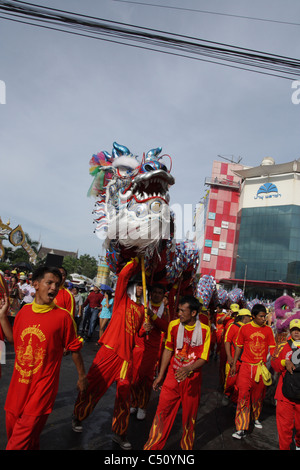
(106, 311)
(91, 313)
(78, 306)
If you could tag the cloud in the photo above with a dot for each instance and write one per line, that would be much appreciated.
(69, 97)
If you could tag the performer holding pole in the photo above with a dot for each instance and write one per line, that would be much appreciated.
(144, 291)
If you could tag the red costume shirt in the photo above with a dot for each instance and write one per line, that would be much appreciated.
(188, 354)
(278, 364)
(65, 299)
(231, 336)
(127, 317)
(255, 341)
(41, 334)
(3, 290)
(94, 300)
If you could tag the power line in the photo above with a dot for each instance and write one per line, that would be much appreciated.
(196, 10)
(153, 40)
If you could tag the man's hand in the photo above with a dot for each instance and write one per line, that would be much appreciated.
(4, 306)
(182, 373)
(290, 367)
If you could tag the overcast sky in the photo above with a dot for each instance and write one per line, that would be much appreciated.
(69, 97)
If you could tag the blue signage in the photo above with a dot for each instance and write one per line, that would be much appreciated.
(267, 191)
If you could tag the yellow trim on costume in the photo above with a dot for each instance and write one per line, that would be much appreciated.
(264, 372)
(124, 370)
(37, 308)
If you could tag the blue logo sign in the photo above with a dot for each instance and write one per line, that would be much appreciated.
(267, 191)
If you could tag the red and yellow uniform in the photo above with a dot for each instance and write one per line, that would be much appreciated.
(173, 393)
(287, 411)
(65, 299)
(113, 359)
(230, 388)
(256, 341)
(145, 356)
(3, 290)
(41, 334)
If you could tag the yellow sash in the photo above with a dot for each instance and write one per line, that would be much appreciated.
(264, 372)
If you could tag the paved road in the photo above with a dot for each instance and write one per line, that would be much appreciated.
(215, 422)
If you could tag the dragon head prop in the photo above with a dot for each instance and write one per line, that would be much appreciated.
(132, 211)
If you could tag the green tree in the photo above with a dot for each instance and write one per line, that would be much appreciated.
(85, 264)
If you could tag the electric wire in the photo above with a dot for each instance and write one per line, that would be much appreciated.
(207, 12)
(151, 39)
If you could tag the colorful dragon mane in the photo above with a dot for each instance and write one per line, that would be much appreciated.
(133, 217)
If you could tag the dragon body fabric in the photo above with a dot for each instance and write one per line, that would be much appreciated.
(133, 216)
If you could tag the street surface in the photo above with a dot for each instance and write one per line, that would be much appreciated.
(215, 423)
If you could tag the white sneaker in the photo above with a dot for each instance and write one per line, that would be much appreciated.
(257, 424)
(76, 424)
(141, 414)
(122, 441)
(133, 410)
(239, 434)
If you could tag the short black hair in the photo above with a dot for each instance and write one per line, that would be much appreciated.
(194, 303)
(41, 271)
(66, 273)
(158, 286)
(257, 308)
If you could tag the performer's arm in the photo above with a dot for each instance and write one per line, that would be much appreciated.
(160, 323)
(131, 268)
(4, 322)
(182, 373)
(82, 380)
(237, 353)
(166, 357)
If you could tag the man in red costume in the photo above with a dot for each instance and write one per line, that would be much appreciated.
(146, 352)
(5, 326)
(64, 298)
(41, 333)
(254, 341)
(113, 360)
(186, 351)
(288, 404)
(230, 389)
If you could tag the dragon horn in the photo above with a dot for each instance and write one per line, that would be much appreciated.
(119, 150)
(153, 153)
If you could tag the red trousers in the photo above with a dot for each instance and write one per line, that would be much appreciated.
(23, 432)
(250, 396)
(186, 393)
(106, 368)
(144, 364)
(230, 387)
(287, 419)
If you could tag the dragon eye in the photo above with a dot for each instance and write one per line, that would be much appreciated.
(141, 210)
(155, 206)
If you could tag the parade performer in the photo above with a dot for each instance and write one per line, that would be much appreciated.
(288, 397)
(5, 326)
(218, 331)
(146, 352)
(41, 332)
(254, 341)
(65, 298)
(225, 321)
(113, 360)
(243, 317)
(186, 351)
